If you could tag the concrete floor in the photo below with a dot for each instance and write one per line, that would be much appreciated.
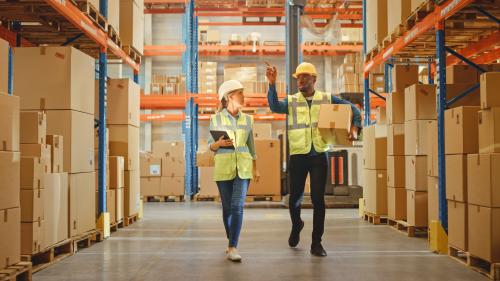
(186, 241)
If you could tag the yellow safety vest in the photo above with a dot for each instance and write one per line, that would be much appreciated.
(237, 161)
(303, 123)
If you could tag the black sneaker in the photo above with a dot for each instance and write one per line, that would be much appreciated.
(294, 238)
(318, 250)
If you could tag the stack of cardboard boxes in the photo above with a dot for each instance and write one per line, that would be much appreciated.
(245, 73)
(262, 87)
(116, 191)
(65, 92)
(10, 212)
(150, 174)
(113, 16)
(132, 24)
(205, 162)
(268, 163)
(350, 75)
(207, 78)
(168, 85)
(376, 23)
(172, 167)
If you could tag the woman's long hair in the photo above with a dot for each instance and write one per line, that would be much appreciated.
(222, 103)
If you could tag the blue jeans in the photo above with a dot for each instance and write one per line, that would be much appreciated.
(233, 193)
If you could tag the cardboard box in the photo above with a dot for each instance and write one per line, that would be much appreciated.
(173, 165)
(114, 14)
(375, 191)
(77, 129)
(132, 24)
(111, 204)
(4, 74)
(420, 102)
(416, 137)
(166, 149)
(32, 240)
(460, 126)
(208, 187)
(396, 206)
(41, 151)
(33, 126)
(10, 179)
(403, 76)
(56, 208)
(380, 116)
(132, 194)
(67, 84)
(376, 21)
(453, 90)
(399, 11)
(150, 186)
(172, 186)
(375, 147)
(82, 203)
(416, 173)
(262, 130)
(116, 172)
(150, 166)
(268, 166)
(484, 232)
(457, 225)
(416, 3)
(483, 187)
(10, 231)
(32, 204)
(433, 199)
(32, 171)
(205, 158)
(57, 152)
(432, 149)
(461, 73)
(489, 130)
(416, 202)
(490, 83)
(456, 177)
(124, 141)
(9, 121)
(120, 204)
(396, 172)
(395, 108)
(334, 123)
(123, 102)
(396, 139)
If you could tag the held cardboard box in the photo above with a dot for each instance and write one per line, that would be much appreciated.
(375, 147)
(124, 141)
(416, 173)
(57, 152)
(396, 139)
(172, 186)
(484, 232)
(67, 84)
(31, 173)
(262, 130)
(116, 172)
(150, 166)
(457, 224)
(4, 72)
(395, 108)
(432, 149)
(489, 130)
(456, 177)
(32, 240)
(433, 199)
(10, 175)
(396, 172)
(208, 187)
(460, 125)
(77, 129)
(416, 203)
(403, 76)
(205, 158)
(9, 122)
(10, 231)
(483, 187)
(375, 191)
(33, 126)
(420, 102)
(82, 203)
(132, 196)
(150, 186)
(334, 123)
(123, 102)
(416, 137)
(41, 151)
(32, 204)
(396, 206)
(490, 83)
(132, 24)
(119, 204)
(376, 22)
(268, 166)
(56, 208)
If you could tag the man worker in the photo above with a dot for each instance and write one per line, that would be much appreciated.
(307, 148)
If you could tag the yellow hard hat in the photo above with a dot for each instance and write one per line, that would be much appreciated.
(305, 68)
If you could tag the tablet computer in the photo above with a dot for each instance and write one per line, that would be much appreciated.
(217, 134)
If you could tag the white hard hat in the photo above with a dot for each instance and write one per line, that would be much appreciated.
(229, 86)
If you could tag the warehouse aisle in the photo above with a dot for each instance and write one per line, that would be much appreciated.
(186, 242)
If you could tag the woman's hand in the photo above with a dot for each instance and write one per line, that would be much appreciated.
(221, 143)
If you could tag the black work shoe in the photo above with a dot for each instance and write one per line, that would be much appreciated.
(318, 250)
(294, 238)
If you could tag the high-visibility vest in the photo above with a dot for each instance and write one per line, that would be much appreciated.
(303, 123)
(237, 161)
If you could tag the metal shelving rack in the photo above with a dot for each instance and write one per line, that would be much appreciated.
(425, 38)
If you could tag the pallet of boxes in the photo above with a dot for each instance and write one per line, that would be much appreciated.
(11, 266)
(57, 150)
(150, 175)
(205, 163)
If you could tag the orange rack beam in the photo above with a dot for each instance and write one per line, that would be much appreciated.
(204, 117)
(475, 49)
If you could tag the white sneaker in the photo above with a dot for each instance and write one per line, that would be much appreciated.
(233, 255)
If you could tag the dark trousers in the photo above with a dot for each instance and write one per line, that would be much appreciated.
(317, 167)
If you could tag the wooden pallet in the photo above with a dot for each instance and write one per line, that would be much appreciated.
(411, 231)
(458, 255)
(274, 43)
(132, 53)
(86, 239)
(116, 225)
(164, 198)
(213, 198)
(261, 198)
(210, 43)
(93, 13)
(374, 219)
(20, 271)
(114, 36)
(235, 43)
(130, 220)
(488, 269)
(49, 256)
